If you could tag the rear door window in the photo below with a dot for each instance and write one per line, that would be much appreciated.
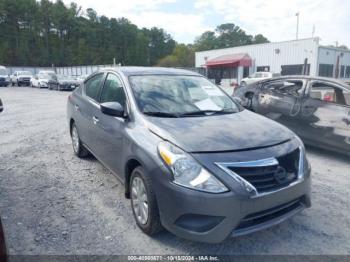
(92, 86)
(329, 93)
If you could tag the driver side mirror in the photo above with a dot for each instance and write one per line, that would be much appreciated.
(112, 109)
(1, 106)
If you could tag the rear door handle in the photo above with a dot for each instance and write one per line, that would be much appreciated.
(95, 120)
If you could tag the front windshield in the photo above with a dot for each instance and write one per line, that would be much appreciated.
(65, 77)
(44, 76)
(21, 73)
(180, 95)
(3, 72)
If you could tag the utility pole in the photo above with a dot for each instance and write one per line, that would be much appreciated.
(297, 34)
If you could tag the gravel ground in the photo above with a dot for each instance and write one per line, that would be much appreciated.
(51, 202)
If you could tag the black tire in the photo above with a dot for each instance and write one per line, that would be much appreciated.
(78, 149)
(153, 224)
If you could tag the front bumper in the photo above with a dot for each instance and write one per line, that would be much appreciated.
(23, 81)
(68, 86)
(4, 81)
(43, 84)
(214, 217)
(207, 217)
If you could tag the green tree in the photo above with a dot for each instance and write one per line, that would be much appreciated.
(260, 39)
(226, 35)
(41, 33)
(206, 41)
(182, 56)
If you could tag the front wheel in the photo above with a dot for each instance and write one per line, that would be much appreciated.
(144, 203)
(78, 147)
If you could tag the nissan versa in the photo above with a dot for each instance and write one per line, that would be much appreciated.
(191, 158)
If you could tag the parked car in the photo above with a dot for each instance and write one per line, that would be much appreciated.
(257, 77)
(48, 72)
(316, 108)
(41, 80)
(192, 160)
(63, 82)
(20, 78)
(82, 78)
(4, 77)
(3, 249)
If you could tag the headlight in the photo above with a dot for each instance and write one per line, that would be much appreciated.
(187, 172)
(303, 163)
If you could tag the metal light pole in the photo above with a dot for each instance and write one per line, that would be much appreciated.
(297, 34)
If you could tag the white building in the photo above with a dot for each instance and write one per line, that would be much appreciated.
(304, 56)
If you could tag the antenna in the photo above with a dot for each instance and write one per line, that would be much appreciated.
(297, 15)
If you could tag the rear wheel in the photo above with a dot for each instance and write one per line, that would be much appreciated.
(78, 147)
(144, 203)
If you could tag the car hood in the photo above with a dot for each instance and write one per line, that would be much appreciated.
(25, 76)
(229, 132)
(67, 81)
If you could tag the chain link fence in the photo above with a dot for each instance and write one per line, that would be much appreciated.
(81, 70)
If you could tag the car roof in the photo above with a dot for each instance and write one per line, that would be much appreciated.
(46, 71)
(23, 71)
(305, 77)
(138, 70)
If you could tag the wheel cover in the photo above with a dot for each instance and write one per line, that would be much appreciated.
(139, 200)
(75, 139)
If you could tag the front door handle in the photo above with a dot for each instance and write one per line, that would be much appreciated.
(95, 120)
(76, 107)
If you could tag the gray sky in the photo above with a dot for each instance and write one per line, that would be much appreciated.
(185, 19)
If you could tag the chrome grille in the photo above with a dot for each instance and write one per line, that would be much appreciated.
(266, 175)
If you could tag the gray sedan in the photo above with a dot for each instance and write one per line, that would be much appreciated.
(192, 160)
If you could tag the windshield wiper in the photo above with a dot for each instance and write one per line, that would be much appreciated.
(207, 112)
(160, 114)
